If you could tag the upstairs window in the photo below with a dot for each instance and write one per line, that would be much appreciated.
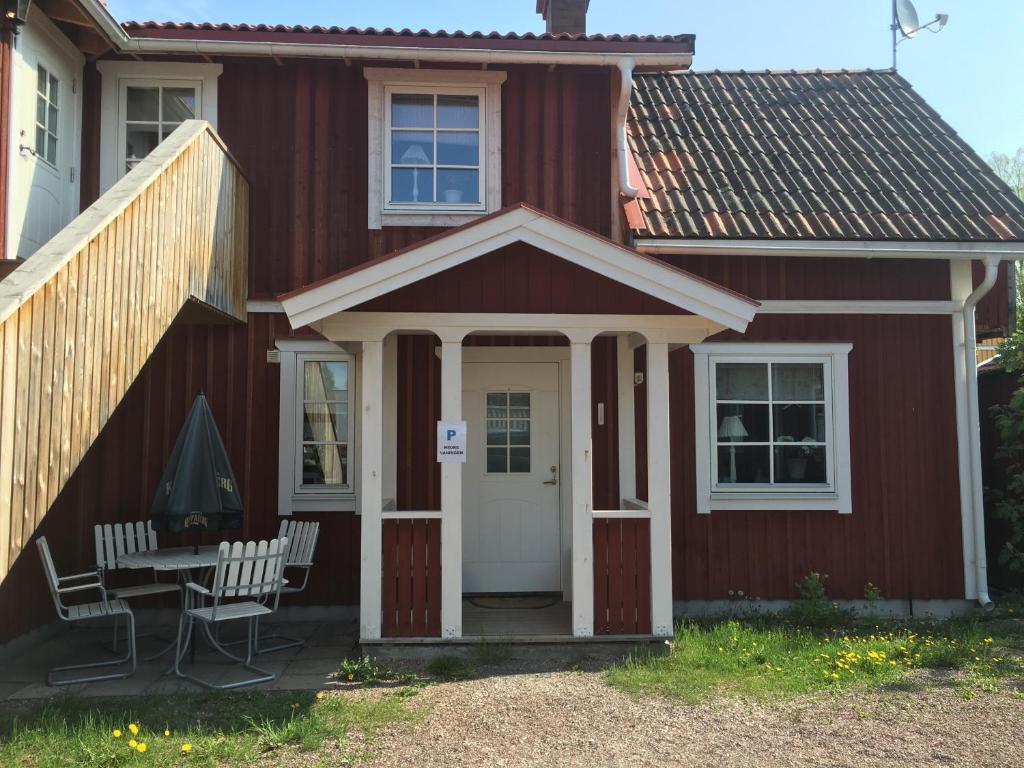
(152, 112)
(47, 111)
(433, 155)
(434, 146)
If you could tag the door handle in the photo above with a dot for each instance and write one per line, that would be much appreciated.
(554, 476)
(552, 481)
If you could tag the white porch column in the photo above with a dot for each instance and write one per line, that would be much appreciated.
(582, 493)
(627, 419)
(659, 490)
(370, 495)
(390, 411)
(451, 493)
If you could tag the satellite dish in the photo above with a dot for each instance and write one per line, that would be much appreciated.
(906, 18)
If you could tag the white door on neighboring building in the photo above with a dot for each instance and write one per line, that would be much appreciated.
(511, 529)
(45, 135)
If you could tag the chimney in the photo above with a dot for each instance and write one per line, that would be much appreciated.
(564, 16)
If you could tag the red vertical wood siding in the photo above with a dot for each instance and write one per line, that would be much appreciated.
(622, 577)
(520, 278)
(904, 533)
(299, 130)
(411, 593)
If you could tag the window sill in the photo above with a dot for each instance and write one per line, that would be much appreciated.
(318, 503)
(823, 502)
(428, 218)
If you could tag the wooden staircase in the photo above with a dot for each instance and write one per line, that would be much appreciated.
(81, 316)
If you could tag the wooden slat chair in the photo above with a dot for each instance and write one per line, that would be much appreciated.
(104, 608)
(301, 537)
(113, 541)
(246, 586)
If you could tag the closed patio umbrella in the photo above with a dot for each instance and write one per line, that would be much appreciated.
(198, 490)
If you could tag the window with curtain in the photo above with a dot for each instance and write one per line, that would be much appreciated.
(324, 425)
(771, 423)
(433, 150)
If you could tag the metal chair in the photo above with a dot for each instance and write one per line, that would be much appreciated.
(301, 537)
(246, 585)
(113, 541)
(105, 607)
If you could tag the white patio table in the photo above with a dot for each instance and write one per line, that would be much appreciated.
(183, 560)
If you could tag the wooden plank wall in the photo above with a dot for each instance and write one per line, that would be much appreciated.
(79, 320)
(622, 576)
(411, 595)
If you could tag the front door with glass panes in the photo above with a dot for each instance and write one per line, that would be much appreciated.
(150, 111)
(511, 530)
(45, 115)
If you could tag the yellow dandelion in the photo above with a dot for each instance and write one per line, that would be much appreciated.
(186, 748)
(133, 743)
(117, 733)
(166, 732)
(835, 676)
(321, 696)
(142, 747)
(295, 706)
(133, 728)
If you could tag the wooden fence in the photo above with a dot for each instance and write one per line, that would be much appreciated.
(80, 317)
(411, 569)
(622, 576)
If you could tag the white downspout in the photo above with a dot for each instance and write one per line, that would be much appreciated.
(974, 428)
(621, 144)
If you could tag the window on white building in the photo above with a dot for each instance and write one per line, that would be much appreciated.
(772, 426)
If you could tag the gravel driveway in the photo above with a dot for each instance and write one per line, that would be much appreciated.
(560, 718)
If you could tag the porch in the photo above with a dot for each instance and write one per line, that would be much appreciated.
(519, 515)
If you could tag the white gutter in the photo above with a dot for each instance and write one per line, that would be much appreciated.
(883, 249)
(974, 428)
(155, 45)
(106, 22)
(621, 145)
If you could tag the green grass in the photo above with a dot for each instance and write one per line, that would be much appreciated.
(219, 729)
(450, 668)
(771, 658)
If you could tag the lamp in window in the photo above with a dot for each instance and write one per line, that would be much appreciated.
(415, 154)
(732, 429)
(16, 12)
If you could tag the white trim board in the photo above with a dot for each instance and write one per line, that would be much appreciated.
(455, 326)
(528, 225)
(856, 307)
(870, 249)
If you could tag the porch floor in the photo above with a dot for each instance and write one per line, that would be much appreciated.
(512, 617)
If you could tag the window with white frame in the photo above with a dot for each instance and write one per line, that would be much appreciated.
(772, 426)
(47, 111)
(317, 426)
(434, 145)
(151, 112)
(142, 102)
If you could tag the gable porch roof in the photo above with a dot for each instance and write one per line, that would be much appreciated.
(518, 223)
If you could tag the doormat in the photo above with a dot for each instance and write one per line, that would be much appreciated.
(519, 602)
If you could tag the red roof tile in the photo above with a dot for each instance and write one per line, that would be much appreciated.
(808, 155)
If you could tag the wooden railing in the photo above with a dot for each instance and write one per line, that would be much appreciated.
(80, 317)
(411, 574)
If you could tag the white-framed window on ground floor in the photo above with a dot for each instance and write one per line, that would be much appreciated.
(772, 426)
(317, 428)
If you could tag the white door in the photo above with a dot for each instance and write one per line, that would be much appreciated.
(511, 530)
(45, 127)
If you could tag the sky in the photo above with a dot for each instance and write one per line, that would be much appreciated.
(971, 72)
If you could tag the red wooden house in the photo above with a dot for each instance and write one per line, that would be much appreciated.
(705, 332)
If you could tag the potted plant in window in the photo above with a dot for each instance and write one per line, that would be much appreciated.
(451, 192)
